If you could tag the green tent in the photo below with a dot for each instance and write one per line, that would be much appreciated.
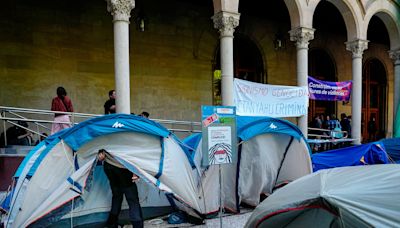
(396, 130)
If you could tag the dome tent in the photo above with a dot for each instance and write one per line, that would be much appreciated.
(60, 180)
(358, 196)
(365, 154)
(271, 151)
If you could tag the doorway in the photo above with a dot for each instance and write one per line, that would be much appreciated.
(374, 97)
(321, 67)
(248, 65)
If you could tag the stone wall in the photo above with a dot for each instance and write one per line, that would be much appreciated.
(48, 44)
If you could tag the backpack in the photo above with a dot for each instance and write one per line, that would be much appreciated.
(337, 132)
(177, 217)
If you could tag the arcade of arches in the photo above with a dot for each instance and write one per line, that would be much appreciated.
(175, 58)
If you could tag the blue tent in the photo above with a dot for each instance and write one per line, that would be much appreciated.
(392, 147)
(366, 154)
(71, 189)
(271, 151)
(249, 127)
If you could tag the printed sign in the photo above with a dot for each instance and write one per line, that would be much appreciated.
(219, 145)
(256, 99)
(329, 91)
(219, 135)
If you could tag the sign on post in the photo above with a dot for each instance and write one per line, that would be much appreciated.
(219, 135)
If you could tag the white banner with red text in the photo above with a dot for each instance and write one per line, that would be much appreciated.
(256, 99)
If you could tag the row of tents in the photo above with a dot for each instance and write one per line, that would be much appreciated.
(60, 182)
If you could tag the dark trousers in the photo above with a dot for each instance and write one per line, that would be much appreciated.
(121, 184)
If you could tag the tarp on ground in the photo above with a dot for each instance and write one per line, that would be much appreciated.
(359, 196)
(61, 181)
(271, 151)
(365, 154)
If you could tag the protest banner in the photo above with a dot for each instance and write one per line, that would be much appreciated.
(329, 91)
(256, 99)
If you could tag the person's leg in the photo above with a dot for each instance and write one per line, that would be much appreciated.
(135, 211)
(117, 194)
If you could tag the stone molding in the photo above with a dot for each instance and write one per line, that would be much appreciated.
(357, 47)
(226, 23)
(120, 9)
(302, 36)
(395, 56)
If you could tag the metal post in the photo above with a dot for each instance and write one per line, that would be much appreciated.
(5, 131)
(220, 196)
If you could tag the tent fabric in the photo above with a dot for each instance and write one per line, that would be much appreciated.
(271, 151)
(249, 127)
(366, 154)
(392, 147)
(55, 172)
(192, 141)
(359, 196)
(396, 130)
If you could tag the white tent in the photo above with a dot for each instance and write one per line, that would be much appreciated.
(359, 196)
(271, 152)
(61, 182)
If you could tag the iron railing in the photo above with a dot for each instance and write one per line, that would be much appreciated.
(42, 120)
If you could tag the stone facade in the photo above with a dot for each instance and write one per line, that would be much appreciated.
(171, 62)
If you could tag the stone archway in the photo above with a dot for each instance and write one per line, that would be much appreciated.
(322, 67)
(374, 95)
(248, 65)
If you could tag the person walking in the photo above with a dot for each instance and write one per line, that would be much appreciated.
(61, 103)
(109, 106)
(122, 182)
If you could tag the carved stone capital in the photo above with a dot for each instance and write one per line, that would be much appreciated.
(226, 23)
(357, 47)
(395, 56)
(302, 36)
(120, 9)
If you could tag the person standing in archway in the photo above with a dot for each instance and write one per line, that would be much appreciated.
(371, 127)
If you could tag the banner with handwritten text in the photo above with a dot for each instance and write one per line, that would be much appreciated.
(256, 99)
(329, 91)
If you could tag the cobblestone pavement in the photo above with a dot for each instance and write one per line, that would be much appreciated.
(228, 220)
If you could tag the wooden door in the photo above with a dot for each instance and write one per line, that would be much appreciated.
(321, 67)
(374, 98)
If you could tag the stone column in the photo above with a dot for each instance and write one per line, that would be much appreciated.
(302, 36)
(120, 10)
(226, 23)
(357, 47)
(395, 56)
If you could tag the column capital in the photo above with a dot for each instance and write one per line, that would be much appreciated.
(226, 23)
(395, 56)
(357, 47)
(120, 9)
(302, 36)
